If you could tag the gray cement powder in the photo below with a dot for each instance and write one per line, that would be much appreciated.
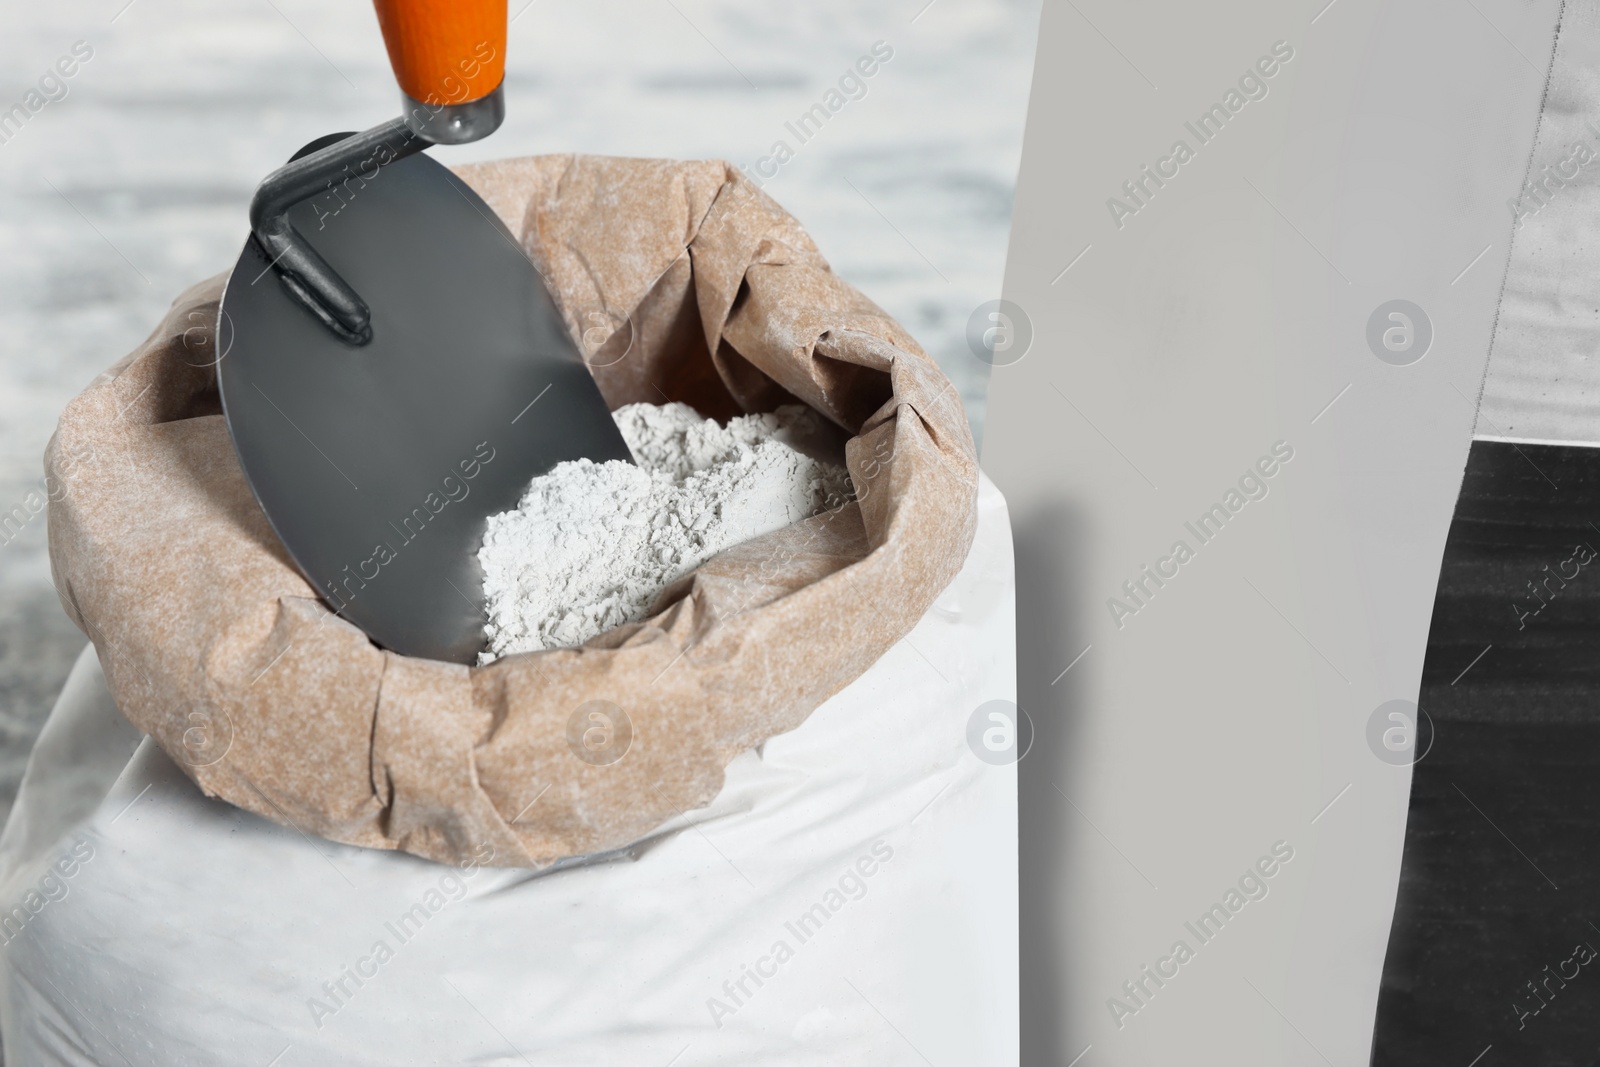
(591, 545)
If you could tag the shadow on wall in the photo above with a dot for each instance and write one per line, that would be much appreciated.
(1046, 631)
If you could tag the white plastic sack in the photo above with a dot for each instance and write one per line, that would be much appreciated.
(849, 898)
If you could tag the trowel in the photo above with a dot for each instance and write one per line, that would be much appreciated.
(393, 368)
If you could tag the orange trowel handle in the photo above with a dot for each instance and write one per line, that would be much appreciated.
(445, 51)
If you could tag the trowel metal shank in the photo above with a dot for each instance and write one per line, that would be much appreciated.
(338, 161)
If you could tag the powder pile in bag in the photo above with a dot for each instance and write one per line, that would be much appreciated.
(591, 545)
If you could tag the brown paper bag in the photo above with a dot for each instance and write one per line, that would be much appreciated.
(682, 282)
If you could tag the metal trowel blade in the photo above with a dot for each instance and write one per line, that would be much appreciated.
(378, 465)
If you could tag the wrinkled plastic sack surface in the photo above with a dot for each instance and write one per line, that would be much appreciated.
(856, 878)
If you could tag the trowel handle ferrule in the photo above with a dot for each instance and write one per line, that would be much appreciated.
(449, 57)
